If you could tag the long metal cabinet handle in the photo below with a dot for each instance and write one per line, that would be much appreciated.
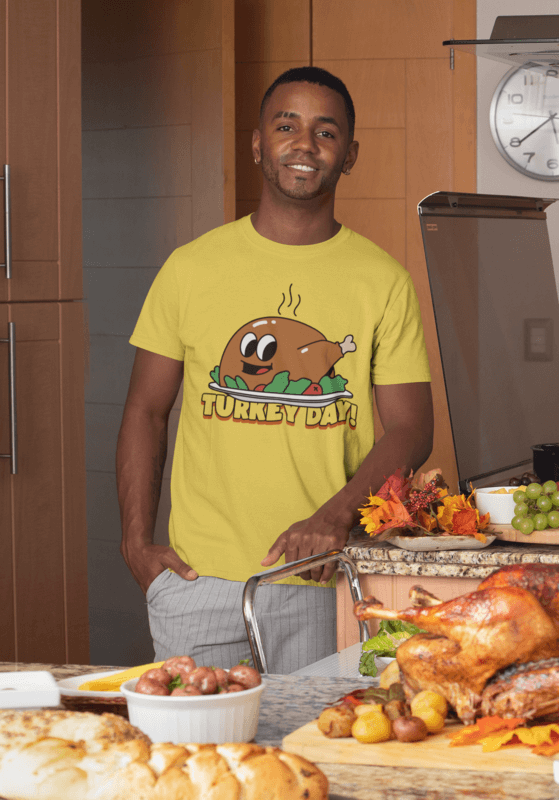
(285, 571)
(11, 340)
(7, 222)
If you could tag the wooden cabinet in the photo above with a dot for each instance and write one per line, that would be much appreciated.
(43, 545)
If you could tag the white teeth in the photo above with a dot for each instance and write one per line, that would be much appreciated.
(302, 167)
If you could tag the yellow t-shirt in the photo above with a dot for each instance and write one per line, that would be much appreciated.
(280, 345)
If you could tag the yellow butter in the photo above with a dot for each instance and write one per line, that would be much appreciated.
(112, 683)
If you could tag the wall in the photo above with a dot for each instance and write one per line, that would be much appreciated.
(157, 172)
(415, 121)
(495, 176)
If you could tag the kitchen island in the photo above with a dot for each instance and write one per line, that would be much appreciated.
(290, 701)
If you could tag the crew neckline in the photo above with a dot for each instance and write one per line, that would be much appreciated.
(294, 250)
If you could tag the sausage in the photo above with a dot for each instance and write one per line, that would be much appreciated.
(154, 681)
(235, 687)
(222, 678)
(245, 675)
(204, 679)
(172, 665)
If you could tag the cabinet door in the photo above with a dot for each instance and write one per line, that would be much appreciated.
(41, 141)
(42, 534)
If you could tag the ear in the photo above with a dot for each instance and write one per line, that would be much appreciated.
(351, 156)
(256, 154)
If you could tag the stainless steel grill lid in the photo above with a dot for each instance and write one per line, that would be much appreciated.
(517, 41)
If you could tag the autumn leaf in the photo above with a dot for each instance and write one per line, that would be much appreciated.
(421, 480)
(473, 734)
(427, 521)
(391, 514)
(464, 522)
(396, 483)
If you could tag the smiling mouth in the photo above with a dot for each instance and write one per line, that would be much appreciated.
(255, 369)
(302, 168)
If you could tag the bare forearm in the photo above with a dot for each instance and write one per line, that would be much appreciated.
(397, 448)
(141, 454)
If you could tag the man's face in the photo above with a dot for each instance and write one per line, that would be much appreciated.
(303, 141)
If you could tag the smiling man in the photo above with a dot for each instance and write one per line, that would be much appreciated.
(282, 325)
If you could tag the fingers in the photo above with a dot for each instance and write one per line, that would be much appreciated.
(179, 566)
(274, 553)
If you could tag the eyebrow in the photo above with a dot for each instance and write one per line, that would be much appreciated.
(290, 114)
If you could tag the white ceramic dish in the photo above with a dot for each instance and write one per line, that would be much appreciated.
(499, 506)
(28, 690)
(426, 543)
(206, 719)
(304, 400)
(70, 686)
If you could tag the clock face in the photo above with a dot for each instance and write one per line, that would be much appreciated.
(525, 120)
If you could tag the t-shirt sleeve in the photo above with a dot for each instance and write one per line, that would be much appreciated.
(157, 328)
(399, 352)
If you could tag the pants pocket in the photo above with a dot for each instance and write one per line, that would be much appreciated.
(156, 584)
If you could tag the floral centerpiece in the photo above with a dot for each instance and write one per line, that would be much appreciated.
(421, 505)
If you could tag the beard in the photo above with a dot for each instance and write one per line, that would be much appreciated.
(299, 191)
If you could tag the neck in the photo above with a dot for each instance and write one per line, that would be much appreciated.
(297, 222)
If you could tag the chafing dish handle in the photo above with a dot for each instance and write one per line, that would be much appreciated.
(286, 571)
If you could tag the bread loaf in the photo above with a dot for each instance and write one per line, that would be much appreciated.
(65, 755)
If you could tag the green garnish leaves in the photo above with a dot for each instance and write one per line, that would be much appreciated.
(279, 383)
(215, 374)
(176, 683)
(391, 634)
(331, 385)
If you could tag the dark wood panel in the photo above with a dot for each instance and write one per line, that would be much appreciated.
(74, 528)
(70, 166)
(272, 30)
(38, 501)
(32, 280)
(7, 637)
(33, 128)
(380, 29)
(35, 321)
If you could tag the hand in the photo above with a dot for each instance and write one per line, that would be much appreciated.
(311, 536)
(147, 561)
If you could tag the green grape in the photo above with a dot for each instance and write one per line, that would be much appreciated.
(553, 519)
(515, 522)
(533, 490)
(526, 526)
(540, 522)
(519, 496)
(549, 487)
(555, 498)
(521, 510)
(544, 503)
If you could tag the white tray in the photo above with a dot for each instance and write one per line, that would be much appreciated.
(344, 664)
(28, 690)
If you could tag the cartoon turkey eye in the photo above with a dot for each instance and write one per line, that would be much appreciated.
(248, 344)
(267, 347)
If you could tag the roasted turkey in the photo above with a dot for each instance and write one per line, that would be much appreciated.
(493, 651)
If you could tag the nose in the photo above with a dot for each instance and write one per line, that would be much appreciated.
(305, 142)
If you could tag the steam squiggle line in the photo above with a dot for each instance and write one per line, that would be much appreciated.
(282, 302)
(296, 307)
(290, 296)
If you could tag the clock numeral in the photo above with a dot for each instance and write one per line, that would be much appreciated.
(515, 98)
(515, 142)
(552, 163)
(530, 156)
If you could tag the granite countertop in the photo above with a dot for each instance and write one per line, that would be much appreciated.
(383, 558)
(291, 701)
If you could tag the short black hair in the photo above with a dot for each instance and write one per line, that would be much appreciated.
(318, 76)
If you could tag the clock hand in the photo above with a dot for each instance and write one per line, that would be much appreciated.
(554, 128)
(549, 119)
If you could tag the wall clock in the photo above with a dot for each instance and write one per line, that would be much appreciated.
(524, 120)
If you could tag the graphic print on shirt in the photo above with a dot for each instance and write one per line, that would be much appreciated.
(274, 366)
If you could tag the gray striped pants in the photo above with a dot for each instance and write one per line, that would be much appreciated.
(204, 619)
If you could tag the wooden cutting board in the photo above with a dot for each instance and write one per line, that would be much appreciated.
(433, 752)
(510, 534)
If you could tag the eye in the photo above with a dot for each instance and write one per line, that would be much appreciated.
(267, 347)
(326, 134)
(248, 344)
